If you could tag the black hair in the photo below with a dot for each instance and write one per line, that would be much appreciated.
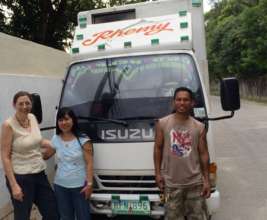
(62, 112)
(184, 89)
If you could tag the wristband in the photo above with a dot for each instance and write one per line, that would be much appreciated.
(88, 184)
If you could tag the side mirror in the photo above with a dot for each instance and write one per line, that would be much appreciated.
(230, 98)
(37, 107)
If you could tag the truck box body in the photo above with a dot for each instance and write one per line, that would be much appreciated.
(192, 8)
(121, 80)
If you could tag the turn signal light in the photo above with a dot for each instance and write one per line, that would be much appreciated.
(213, 174)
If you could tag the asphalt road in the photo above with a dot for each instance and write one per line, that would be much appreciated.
(241, 152)
(241, 149)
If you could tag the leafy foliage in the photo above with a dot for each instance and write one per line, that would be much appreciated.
(48, 22)
(237, 38)
(2, 21)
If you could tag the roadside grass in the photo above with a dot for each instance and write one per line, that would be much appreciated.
(259, 99)
(262, 100)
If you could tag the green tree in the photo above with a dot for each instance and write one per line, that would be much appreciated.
(48, 22)
(253, 32)
(223, 45)
(236, 38)
(2, 21)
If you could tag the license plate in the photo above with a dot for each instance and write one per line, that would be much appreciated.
(130, 207)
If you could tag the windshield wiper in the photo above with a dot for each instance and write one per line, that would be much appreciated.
(140, 118)
(121, 122)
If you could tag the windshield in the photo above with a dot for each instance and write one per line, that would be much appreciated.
(129, 88)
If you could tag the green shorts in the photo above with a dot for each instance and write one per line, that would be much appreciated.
(185, 202)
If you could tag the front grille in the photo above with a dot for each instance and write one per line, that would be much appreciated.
(126, 192)
(132, 185)
(106, 177)
(126, 183)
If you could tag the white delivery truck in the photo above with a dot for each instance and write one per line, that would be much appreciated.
(126, 63)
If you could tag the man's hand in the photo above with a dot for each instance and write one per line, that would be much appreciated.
(206, 189)
(160, 182)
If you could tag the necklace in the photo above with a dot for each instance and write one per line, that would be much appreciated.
(25, 123)
(66, 139)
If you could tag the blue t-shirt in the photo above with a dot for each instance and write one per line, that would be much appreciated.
(71, 168)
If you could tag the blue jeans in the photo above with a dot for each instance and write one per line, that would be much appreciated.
(72, 203)
(37, 190)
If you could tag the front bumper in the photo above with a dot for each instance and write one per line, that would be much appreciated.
(214, 202)
(101, 203)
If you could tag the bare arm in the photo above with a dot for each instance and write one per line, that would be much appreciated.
(6, 143)
(47, 150)
(158, 148)
(204, 162)
(88, 157)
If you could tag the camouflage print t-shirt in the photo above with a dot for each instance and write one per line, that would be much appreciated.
(181, 162)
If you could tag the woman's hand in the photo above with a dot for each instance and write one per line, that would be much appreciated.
(88, 157)
(87, 190)
(6, 152)
(46, 149)
(17, 193)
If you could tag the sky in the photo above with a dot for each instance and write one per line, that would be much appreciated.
(206, 5)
